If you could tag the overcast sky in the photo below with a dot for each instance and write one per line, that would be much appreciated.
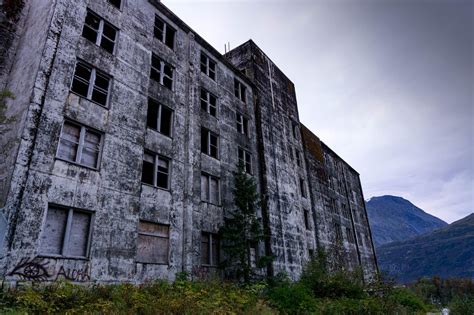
(387, 84)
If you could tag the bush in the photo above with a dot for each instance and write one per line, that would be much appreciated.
(291, 298)
(462, 306)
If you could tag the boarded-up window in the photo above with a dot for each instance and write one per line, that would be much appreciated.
(210, 249)
(65, 232)
(79, 144)
(153, 243)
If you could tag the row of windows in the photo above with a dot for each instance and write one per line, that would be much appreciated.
(67, 233)
(104, 35)
(82, 145)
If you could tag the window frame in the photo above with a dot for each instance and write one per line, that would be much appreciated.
(100, 31)
(242, 122)
(209, 133)
(207, 66)
(303, 188)
(240, 90)
(245, 154)
(80, 144)
(210, 243)
(121, 4)
(137, 260)
(67, 232)
(306, 219)
(159, 116)
(166, 25)
(297, 157)
(156, 158)
(161, 72)
(208, 197)
(207, 101)
(91, 83)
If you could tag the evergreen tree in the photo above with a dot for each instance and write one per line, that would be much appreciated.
(241, 230)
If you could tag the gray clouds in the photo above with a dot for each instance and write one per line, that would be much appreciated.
(387, 84)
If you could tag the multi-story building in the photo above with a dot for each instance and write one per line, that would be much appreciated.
(120, 143)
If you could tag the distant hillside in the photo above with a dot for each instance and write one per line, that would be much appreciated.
(393, 219)
(447, 252)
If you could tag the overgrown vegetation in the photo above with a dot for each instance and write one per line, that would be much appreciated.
(242, 232)
(318, 292)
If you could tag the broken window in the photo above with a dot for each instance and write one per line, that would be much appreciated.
(153, 243)
(208, 66)
(208, 102)
(306, 219)
(91, 83)
(209, 143)
(209, 249)
(164, 32)
(156, 170)
(298, 157)
(99, 31)
(239, 90)
(159, 117)
(303, 188)
(210, 190)
(242, 124)
(338, 232)
(116, 3)
(245, 158)
(294, 127)
(161, 72)
(79, 144)
(66, 232)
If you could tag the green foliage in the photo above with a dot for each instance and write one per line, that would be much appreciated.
(322, 283)
(461, 306)
(442, 291)
(292, 298)
(241, 230)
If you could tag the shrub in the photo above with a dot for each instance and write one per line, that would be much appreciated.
(462, 306)
(291, 298)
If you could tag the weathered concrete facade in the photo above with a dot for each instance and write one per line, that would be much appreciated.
(68, 218)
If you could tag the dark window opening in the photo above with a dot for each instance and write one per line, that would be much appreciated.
(159, 117)
(210, 249)
(164, 32)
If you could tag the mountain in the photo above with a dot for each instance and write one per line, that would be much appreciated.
(393, 219)
(446, 252)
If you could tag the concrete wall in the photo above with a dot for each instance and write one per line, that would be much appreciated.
(277, 114)
(114, 193)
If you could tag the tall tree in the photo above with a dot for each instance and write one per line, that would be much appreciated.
(242, 230)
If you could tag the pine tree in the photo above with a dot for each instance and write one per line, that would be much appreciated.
(241, 230)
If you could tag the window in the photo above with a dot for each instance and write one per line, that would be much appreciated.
(66, 232)
(290, 150)
(210, 190)
(209, 143)
(91, 83)
(79, 144)
(306, 219)
(99, 31)
(350, 235)
(159, 117)
(245, 158)
(161, 72)
(311, 253)
(294, 127)
(242, 124)
(337, 230)
(164, 32)
(303, 188)
(209, 249)
(298, 157)
(208, 102)
(239, 90)
(153, 243)
(116, 3)
(208, 66)
(156, 170)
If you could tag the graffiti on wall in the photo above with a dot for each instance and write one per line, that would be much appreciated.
(36, 269)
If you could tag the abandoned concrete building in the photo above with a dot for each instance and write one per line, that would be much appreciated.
(121, 129)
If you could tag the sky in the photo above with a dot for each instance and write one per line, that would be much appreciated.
(387, 84)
